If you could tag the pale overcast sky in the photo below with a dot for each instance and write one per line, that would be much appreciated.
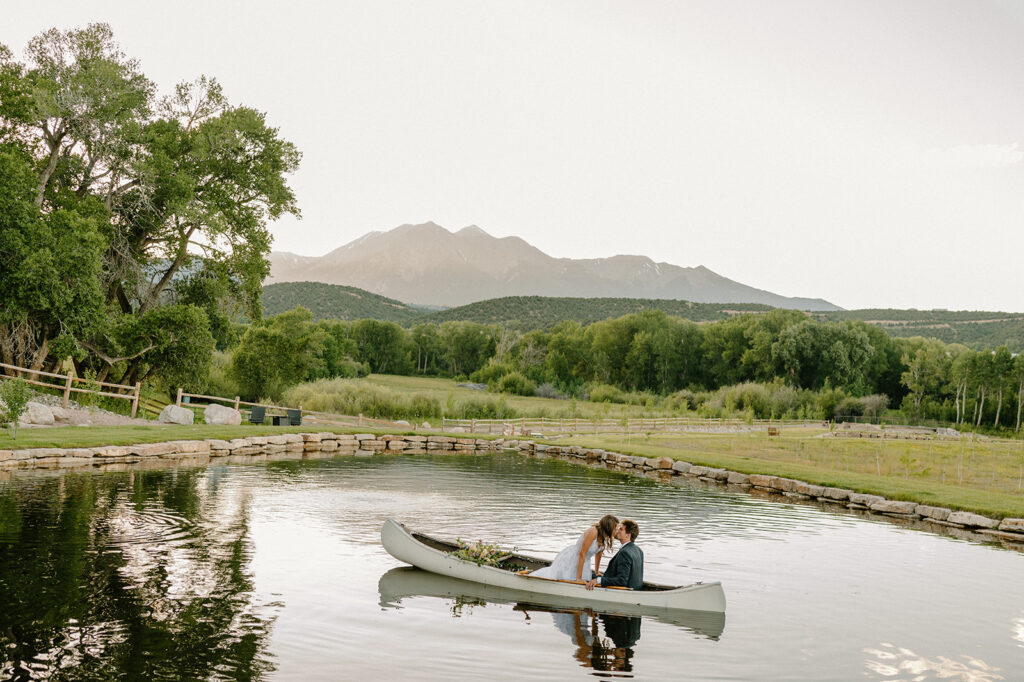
(869, 153)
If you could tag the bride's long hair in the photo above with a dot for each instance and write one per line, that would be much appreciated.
(606, 531)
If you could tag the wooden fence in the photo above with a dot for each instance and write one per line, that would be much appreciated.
(69, 383)
(525, 426)
(308, 416)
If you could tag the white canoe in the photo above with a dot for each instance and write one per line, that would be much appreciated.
(432, 554)
(405, 582)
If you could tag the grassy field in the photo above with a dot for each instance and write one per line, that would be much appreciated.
(983, 476)
(441, 389)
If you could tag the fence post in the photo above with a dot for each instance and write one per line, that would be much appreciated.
(135, 400)
(178, 401)
(67, 392)
(359, 422)
(472, 425)
(238, 401)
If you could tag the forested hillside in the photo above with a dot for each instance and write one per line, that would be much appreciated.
(334, 302)
(543, 312)
(972, 328)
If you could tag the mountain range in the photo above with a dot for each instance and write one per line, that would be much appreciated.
(427, 264)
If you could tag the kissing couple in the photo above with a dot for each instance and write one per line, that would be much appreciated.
(626, 568)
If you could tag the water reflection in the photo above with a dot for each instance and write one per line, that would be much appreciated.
(1018, 630)
(603, 641)
(141, 572)
(611, 653)
(889, 661)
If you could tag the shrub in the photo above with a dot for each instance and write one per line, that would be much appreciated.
(548, 390)
(482, 408)
(516, 384)
(219, 381)
(348, 396)
(14, 395)
(490, 374)
(600, 393)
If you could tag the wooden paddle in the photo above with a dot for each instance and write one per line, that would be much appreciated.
(571, 582)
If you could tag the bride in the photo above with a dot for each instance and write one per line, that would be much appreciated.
(571, 562)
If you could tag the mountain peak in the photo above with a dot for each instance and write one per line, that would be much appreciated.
(426, 263)
(472, 230)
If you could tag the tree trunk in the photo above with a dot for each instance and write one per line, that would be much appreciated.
(40, 357)
(956, 401)
(1020, 399)
(51, 165)
(166, 279)
(999, 407)
(981, 409)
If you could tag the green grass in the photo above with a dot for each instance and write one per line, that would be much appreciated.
(440, 389)
(94, 436)
(984, 477)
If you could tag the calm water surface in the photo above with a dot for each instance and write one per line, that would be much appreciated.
(275, 571)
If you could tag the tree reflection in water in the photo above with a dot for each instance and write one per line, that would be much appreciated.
(141, 575)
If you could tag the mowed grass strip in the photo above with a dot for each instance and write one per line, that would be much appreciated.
(979, 476)
(95, 436)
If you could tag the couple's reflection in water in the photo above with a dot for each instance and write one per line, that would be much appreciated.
(612, 652)
(604, 642)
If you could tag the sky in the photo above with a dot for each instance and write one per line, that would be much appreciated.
(869, 153)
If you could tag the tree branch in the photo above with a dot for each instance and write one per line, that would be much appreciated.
(113, 361)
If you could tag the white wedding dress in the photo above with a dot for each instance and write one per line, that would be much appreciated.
(563, 567)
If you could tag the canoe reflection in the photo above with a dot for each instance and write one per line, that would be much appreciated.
(621, 625)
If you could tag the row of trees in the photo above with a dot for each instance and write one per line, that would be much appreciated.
(131, 225)
(648, 352)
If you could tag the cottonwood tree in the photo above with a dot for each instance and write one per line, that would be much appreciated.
(112, 197)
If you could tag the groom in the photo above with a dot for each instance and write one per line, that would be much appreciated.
(626, 569)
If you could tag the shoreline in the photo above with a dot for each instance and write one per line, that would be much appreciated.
(302, 444)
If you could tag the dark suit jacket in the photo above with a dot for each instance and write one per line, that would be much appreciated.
(626, 569)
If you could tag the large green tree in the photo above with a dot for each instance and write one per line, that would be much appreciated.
(115, 203)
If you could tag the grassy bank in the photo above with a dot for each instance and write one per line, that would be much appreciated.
(981, 476)
(94, 436)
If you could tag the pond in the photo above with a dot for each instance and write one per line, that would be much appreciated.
(275, 571)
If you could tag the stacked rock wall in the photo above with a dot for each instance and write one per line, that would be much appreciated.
(663, 468)
(351, 444)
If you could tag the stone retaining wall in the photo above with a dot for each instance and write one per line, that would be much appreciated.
(663, 468)
(342, 444)
(367, 444)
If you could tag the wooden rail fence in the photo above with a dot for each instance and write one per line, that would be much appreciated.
(69, 383)
(525, 426)
(308, 416)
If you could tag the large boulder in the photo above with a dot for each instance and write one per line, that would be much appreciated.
(59, 413)
(219, 414)
(172, 414)
(972, 520)
(37, 413)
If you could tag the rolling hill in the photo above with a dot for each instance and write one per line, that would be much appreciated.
(541, 312)
(335, 302)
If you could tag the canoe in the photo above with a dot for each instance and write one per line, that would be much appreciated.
(434, 555)
(406, 582)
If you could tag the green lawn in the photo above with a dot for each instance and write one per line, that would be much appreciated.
(93, 436)
(984, 476)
